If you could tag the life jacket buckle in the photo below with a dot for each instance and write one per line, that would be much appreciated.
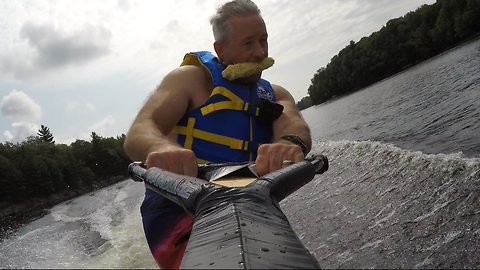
(268, 111)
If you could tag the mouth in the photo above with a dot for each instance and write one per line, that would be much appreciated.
(243, 70)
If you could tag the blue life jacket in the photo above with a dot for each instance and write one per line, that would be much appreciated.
(226, 127)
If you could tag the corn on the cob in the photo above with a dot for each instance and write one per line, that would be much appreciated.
(242, 70)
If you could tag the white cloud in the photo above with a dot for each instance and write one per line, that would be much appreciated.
(75, 105)
(24, 111)
(68, 139)
(56, 49)
(72, 105)
(89, 107)
(102, 126)
(18, 106)
(18, 64)
(20, 131)
(51, 48)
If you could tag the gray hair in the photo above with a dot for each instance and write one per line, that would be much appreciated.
(222, 29)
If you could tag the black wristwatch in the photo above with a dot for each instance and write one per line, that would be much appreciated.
(296, 140)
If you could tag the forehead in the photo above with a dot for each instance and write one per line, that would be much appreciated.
(248, 26)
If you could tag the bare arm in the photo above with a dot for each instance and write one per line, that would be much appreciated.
(291, 121)
(270, 156)
(147, 139)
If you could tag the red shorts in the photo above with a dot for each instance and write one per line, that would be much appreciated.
(167, 229)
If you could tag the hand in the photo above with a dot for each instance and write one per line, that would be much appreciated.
(271, 156)
(174, 159)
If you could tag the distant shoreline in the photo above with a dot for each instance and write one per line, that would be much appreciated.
(13, 216)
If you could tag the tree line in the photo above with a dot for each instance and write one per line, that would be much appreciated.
(37, 167)
(401, 43)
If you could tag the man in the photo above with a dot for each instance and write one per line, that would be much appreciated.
(197, 116)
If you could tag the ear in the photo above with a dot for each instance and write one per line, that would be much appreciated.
(218, 46)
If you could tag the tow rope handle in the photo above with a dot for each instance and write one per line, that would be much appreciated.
(186, 191)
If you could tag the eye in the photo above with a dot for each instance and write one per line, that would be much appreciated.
(247, 43)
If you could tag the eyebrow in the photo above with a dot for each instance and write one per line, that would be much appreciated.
(253, 37)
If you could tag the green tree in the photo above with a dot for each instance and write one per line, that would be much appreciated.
(304, 103)
(10, 178)
(45, 134)
(35, 168)
(401, 43)
(70, 166)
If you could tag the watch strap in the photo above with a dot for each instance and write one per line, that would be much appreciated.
(296, 140)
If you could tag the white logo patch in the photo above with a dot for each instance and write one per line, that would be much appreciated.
(262, 93)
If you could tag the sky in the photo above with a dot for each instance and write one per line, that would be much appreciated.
(87, 66)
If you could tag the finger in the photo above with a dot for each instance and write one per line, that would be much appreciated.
(287, 162)
(298, 155)
(275, 157)
(180, 161)
(274, 164)
(175, 166)
(190, 166)
(261, 163)
(189, 170)
(292, 154)
(153, 160)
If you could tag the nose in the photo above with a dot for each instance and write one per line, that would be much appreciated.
(259, 51)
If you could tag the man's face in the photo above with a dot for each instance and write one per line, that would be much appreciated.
(247, 44)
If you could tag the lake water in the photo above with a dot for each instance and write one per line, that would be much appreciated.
(402, 191)
(433, 107)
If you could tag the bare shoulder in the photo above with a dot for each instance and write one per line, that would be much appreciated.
(187, 85)
(179, 92)
(184, 77)
(282, 94)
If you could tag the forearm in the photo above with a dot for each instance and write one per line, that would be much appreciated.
(148, 144)
(142, 139)
(296, 125)
(150, 130)
(290, 121)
